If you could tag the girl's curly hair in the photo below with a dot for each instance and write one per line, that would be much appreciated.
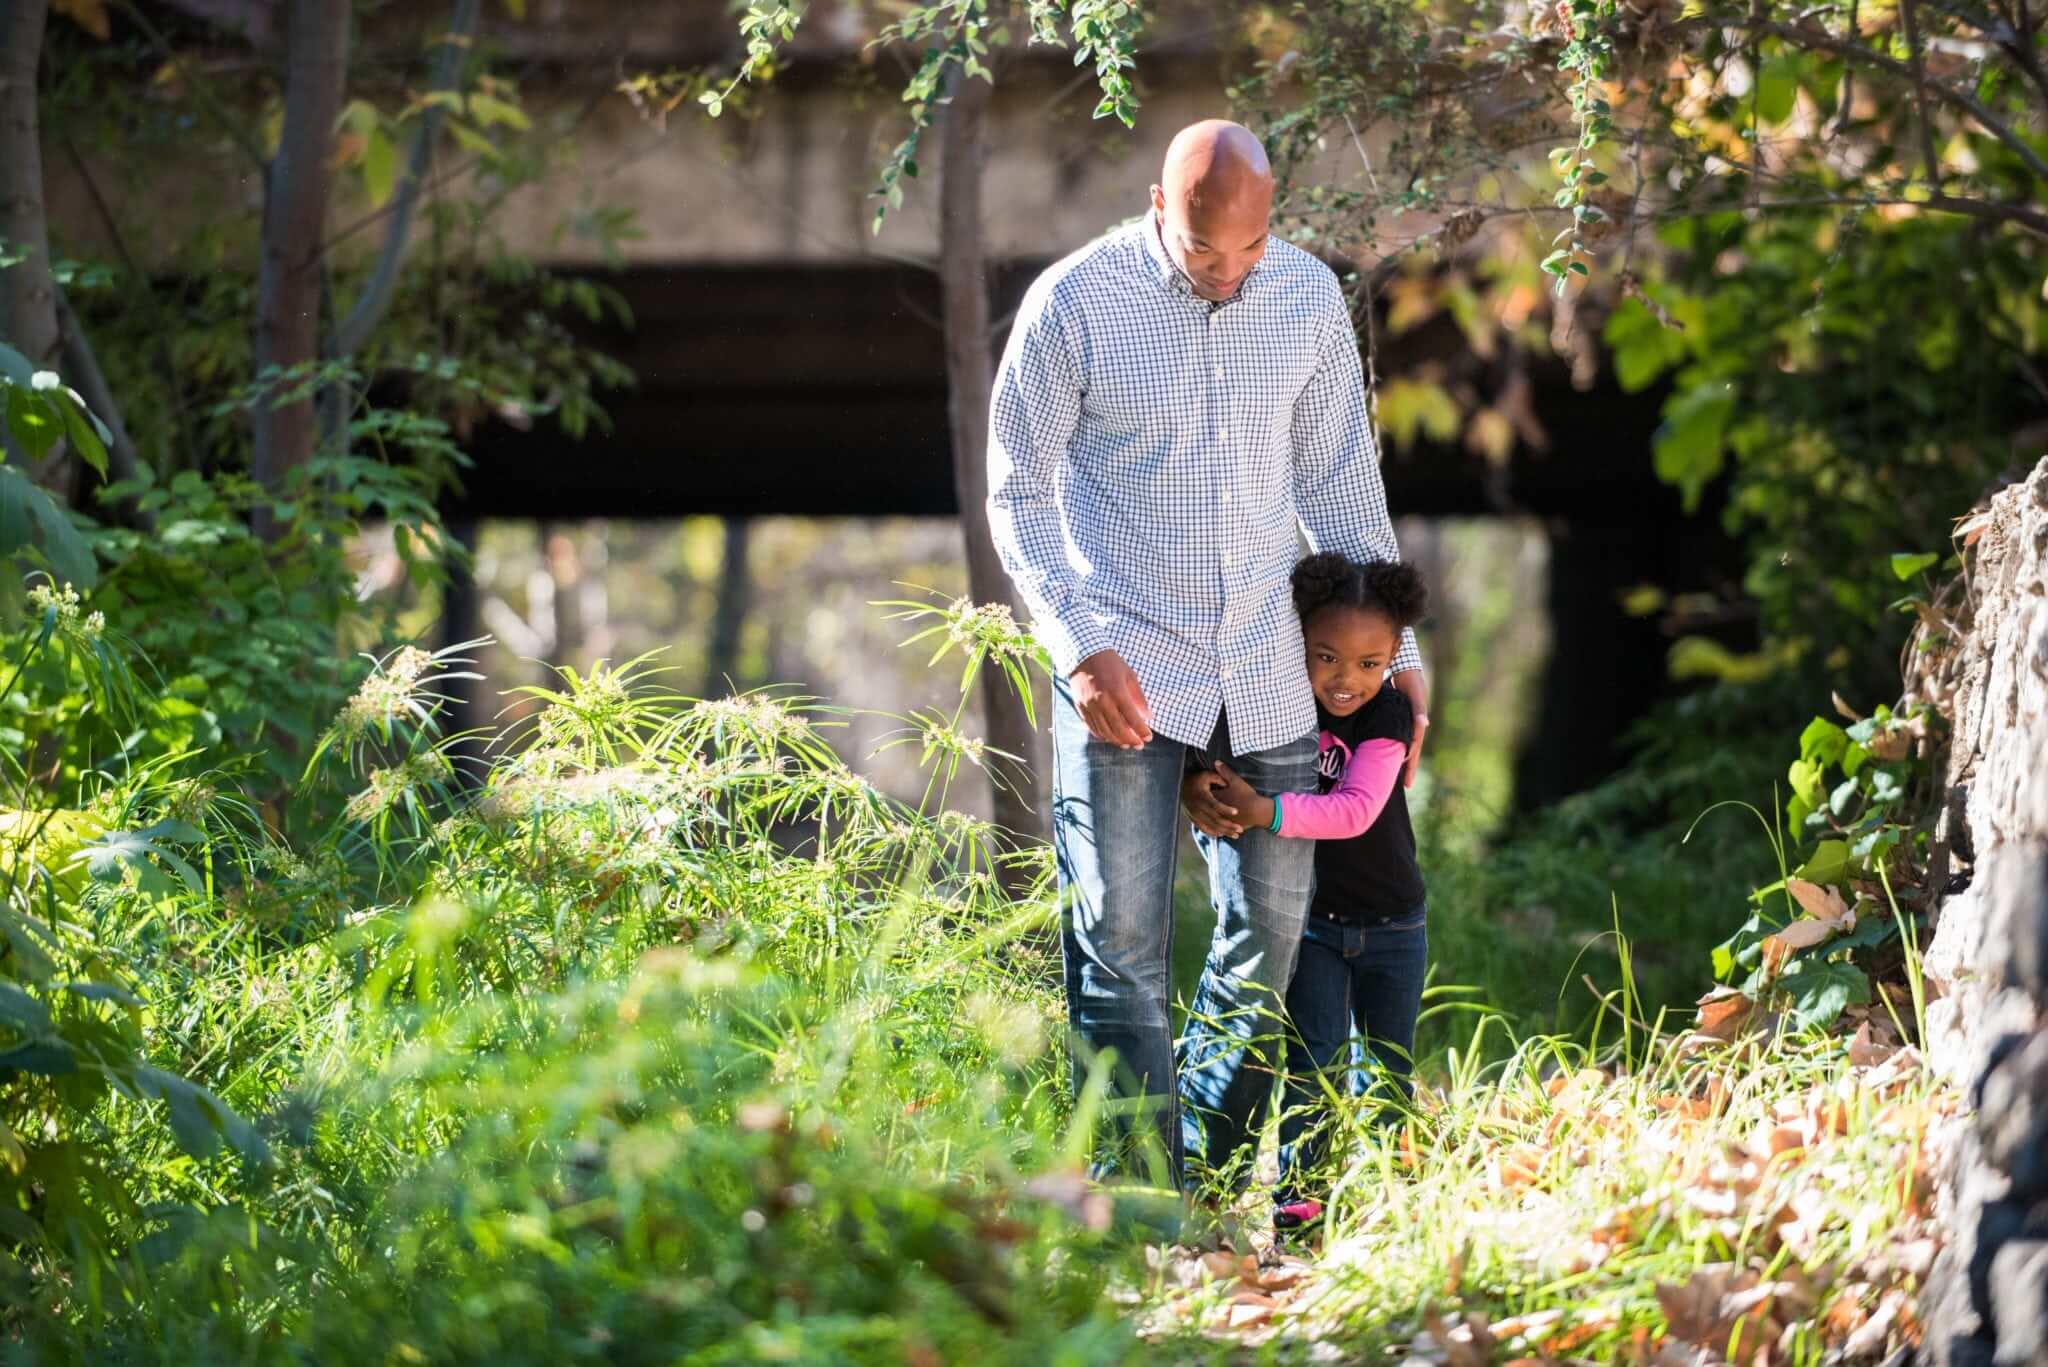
(1393, 589)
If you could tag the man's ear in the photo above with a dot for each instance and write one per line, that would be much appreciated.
(1158, 200)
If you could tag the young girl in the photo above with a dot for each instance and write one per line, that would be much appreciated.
(1364, 950)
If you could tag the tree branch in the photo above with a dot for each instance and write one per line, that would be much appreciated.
(376, 296)
(201, 94)
(1828, 42)
(1925, 124)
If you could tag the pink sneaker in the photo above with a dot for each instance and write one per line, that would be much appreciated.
(1297, 1214)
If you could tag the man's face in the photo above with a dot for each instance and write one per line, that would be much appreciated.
(1217, 242)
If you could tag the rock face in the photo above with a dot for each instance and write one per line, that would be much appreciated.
(1988, 1302)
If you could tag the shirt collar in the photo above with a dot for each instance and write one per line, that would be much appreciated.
(1168, 273)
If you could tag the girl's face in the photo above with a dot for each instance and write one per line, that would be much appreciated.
(1349, 650)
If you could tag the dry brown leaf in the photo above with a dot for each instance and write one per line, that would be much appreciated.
(1723, 1012)
(1466, 1344)
(1866, 1050)
(1848, 713)
(1248, 1314)
(1972, 527)
(90, 15)
(1775, 1139)
(1219, 1266)
(1723, 1309)
(1869, 1339)
(1518, 1166)
(1823, 904)
(1285, 1277)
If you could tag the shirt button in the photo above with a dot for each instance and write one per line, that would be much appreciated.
(1224, 672)
(1219, 372)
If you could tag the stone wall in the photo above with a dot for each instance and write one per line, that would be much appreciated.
(1988, 1029)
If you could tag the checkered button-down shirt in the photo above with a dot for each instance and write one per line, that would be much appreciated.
(1150, 455)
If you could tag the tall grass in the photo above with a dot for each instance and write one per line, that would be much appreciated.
(666, 1037)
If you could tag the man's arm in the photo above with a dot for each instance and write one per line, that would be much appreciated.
(1033, 411)
(1337, 485)
(1034, 408)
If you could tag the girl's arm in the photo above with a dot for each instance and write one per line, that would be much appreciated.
(1355, 803)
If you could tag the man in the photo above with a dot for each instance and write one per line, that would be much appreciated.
(1173, 400)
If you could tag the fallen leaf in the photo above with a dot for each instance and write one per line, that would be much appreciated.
(1220, 1266)
(1244, 1314)
(1866, 1050)
(1722, 1013)
(1466, 1344)
(1869, 1338)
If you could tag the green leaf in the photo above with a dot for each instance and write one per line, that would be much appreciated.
(14, 367)
(1829, 863)
(29, 516)
(23, 1012)
(49, 1057)
(1823, 741)
(478, 143)
(32, 422)
(380, 167)
(1820, 990)
(1778, 90)
(136, 850)
(488, 110)
(79, 426)
(1689, 444)
(1906, 565)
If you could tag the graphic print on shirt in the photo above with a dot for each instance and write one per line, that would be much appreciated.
(1331, 762)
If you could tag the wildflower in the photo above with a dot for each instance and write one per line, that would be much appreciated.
(387, 787)
(72, 622)
(988, 626)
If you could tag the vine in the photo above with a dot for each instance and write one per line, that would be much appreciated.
(1587, 57)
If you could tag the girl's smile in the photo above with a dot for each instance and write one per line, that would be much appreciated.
(1349, 649)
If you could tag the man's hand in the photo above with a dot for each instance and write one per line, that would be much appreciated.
(1198, 794)
(1107, 695)
(1416, 689)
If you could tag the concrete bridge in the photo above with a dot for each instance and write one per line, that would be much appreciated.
(789, 360)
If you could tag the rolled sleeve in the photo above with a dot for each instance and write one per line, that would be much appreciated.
(1338, 490)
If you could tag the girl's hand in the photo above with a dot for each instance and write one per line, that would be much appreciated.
(1249, 808)
(1211, 817)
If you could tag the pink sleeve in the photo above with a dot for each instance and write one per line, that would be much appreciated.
(1352, 807)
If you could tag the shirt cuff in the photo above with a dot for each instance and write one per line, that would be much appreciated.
(1071, 637)
(1408, 656)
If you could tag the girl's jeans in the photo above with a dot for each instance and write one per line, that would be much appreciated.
(1369, 976)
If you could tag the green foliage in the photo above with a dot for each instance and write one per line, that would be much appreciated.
(1853, 381)
(957, 37)
(38, 414)
(673, 1033)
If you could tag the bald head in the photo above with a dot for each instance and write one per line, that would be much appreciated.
(1215, 203)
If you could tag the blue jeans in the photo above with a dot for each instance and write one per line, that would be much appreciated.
(1116, 825)
(1368, 976)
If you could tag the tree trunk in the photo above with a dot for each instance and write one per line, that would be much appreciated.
(28, 297)
(294, 228)
(970, 375)
(722, 657)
